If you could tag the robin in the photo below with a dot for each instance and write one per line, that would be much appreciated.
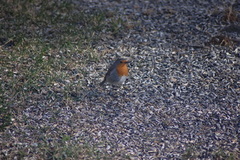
(117, 73)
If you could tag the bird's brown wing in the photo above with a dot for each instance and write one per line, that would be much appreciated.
(110, 70)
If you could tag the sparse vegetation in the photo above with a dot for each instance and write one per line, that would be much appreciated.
(39, 43)
(189, 154)
(222, 154)
(231, 15)
(5, 116)
(41, 38)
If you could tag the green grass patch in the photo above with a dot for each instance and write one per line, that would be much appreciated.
(41, 44)
(67, 149)
(40, 39)
(192, 153)
(223, 154)
(5, 116)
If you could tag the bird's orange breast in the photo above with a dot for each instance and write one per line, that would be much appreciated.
(122, 69)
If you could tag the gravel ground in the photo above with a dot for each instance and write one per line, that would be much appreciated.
(181, 99)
